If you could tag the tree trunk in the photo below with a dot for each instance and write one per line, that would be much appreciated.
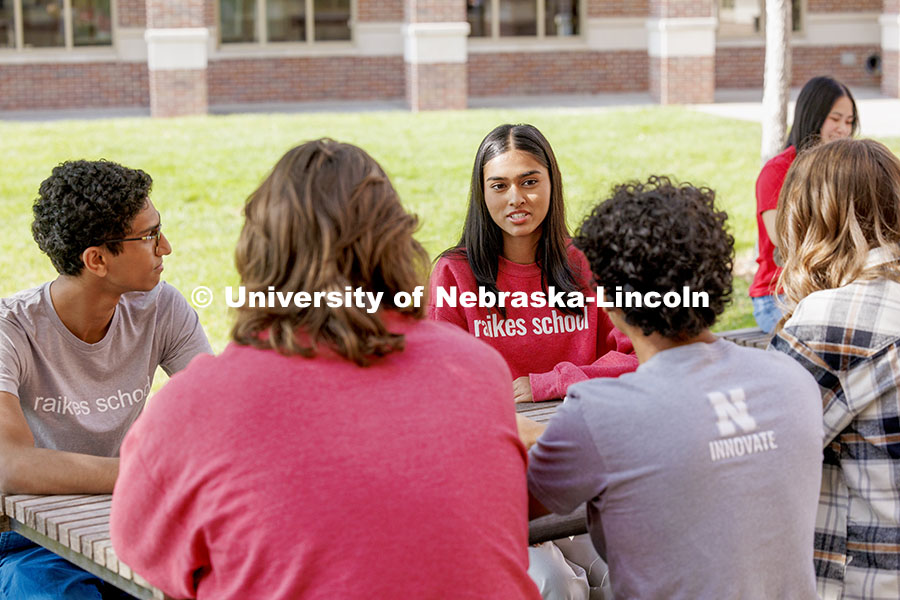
(777, 82)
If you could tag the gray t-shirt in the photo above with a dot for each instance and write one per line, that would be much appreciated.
(701, 472)
(82, 397)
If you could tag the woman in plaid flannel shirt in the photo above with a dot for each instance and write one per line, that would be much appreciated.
(839, 222)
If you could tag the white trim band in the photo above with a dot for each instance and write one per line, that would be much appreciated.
(694, 36)
(623, 33)
(890, 32)
(177, 49)
(378, 39)
(432, 43)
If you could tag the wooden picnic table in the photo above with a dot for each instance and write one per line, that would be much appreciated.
(76, 527)
(751, 336)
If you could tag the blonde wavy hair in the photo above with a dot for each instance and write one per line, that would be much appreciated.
(838, 201)
(326, 218)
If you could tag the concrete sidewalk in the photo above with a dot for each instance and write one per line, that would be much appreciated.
(878, 116)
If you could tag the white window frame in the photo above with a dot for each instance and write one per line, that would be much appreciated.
(68, 32)
(541, 33)
(761, 34)
(262, 30)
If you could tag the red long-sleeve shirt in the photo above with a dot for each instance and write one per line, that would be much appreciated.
(554, 349)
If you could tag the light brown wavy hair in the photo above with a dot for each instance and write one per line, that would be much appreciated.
(326, 218)
(838, 201)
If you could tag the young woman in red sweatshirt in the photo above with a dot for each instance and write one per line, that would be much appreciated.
(516, 245)
(515, 239)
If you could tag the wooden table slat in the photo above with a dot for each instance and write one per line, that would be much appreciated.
(54, 525)
(112, 561)
(83, 539)
(69, 532)
(98, 552)
(9, 503)
(43, 519)
(554, 527)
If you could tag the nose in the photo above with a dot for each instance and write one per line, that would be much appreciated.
(516, 196)
(163, 247)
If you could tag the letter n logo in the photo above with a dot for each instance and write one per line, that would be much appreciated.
(731, 411)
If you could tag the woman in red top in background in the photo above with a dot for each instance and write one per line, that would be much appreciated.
(515, 239)
(825, 111)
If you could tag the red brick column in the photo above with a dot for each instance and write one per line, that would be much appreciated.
(682, 51)
(435, 54)
(177, 35)
(890, 49)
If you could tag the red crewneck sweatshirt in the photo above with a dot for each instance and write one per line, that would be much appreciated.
(553, 348)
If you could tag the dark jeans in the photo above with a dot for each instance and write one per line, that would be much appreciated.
(31, 572)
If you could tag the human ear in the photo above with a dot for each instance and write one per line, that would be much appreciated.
(95, 261)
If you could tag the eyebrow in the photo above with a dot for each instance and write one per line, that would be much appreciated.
(152, 227)
(519, 176)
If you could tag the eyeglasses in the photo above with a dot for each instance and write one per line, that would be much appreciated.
(155, 234)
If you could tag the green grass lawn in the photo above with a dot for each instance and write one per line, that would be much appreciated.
(204, 168)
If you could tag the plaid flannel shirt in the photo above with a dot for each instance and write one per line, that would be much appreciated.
(849, 339)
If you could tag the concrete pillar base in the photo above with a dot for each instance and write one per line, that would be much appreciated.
(177, 60)
(682, 62)
(436, 69)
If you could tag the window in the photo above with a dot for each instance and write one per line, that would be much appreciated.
(518, 18)
(264, 21)
(55, 23)
(746, 18)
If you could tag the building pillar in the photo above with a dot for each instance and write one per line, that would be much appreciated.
(681, 46)
(178, 39)
(435, 54)
(890, 49)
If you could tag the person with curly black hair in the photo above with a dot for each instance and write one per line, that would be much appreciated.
(700, 470)
(78, 354)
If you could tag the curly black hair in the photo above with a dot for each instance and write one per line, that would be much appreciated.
(661, 236)
(83, 203)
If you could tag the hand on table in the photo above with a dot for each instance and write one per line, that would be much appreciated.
(522, 390)
(529, 431)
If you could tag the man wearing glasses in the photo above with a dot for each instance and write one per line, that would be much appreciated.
(78, 354)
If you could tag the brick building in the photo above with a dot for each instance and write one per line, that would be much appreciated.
(181, 56)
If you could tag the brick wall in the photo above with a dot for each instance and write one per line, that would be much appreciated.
(743, 67)
(180, 13)
(673, 9)
(81, 85)
(436, 86)
(682, 79)
(305, 79)
(618, 8)
(890, 67)
(379, 10)
(557, 73)
(843, 6)
(434, 11)
(132, 13)
(891, 6)
(185, 92)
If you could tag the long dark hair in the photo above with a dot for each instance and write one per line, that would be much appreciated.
(482, 240)
(813, 106)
